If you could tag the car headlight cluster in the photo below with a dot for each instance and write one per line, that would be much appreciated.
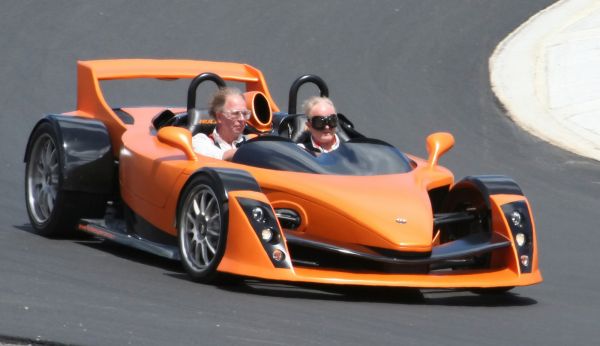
(516, 214)
(264, 223)
(517, 220)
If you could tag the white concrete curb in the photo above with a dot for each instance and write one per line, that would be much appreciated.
(547, 75)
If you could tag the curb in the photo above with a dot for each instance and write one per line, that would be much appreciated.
(546, 74)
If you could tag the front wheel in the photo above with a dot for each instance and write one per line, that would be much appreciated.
(202, 222)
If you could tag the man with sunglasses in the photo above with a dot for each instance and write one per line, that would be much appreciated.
(228, 108)
(322, 121)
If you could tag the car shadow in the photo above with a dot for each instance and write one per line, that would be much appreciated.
(468, 298)
(135, 255)
(115, 249)
(326, 292)
(394, 295)
(240, 285)
(27, 228)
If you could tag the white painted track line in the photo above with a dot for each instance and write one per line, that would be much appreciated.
(546, 73)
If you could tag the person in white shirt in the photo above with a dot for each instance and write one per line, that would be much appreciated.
(322, 121)
(229, 109)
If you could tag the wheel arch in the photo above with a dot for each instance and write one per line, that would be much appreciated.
(475, 195)
(488, 185)
(85, 153)
(501, 196)
(225, 179)
(229, 179)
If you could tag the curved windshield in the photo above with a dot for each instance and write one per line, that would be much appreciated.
(356, 157)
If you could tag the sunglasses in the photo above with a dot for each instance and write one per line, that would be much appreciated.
(237, 114)
(318, 122)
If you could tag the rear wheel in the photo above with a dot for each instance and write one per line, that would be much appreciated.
(202, 228)
(47, 205)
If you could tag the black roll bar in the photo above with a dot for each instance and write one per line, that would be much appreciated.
(307, 78)
(193, 113)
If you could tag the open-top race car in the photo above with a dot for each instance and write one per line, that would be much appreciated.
(364, 214)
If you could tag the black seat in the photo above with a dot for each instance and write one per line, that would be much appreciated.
(168, 118)
(293, 127)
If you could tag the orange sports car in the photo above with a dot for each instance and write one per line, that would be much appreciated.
(364, 214)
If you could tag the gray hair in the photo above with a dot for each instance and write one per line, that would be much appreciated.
(218, 99)
(313, 101)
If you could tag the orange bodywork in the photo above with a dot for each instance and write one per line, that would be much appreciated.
(153, 169)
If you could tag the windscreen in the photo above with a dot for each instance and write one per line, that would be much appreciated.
(361, 157)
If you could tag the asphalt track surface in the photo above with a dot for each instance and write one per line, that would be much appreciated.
(399, 69)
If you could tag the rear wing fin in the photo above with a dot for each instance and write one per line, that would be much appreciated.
(89, 94)
(91, 101)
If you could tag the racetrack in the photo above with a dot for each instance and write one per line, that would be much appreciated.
(399, 69)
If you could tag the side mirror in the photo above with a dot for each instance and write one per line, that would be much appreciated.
(437, 145)
(179, 138)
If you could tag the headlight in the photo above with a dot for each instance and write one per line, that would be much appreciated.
(516, 218)
(278, 255)
(258, 214)
(521, 227)
(266, 234)
(525, 260)
(520, 238)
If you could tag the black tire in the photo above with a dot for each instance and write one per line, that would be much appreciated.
(202, 221)
(52, 211)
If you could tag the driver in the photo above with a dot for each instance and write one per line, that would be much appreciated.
(322, 121)
(228, 108)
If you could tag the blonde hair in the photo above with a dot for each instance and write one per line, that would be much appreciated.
(308, 105)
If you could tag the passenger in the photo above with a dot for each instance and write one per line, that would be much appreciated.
(322, 121)
(228, 108)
